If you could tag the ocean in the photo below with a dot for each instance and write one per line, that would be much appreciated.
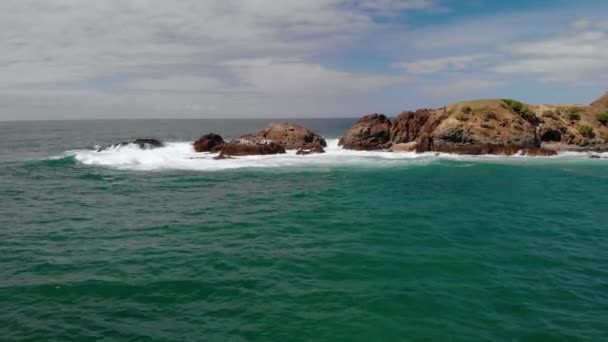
(169, 245)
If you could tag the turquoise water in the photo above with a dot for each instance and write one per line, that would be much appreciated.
(337, 248)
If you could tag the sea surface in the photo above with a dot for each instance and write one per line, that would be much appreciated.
(170, 245)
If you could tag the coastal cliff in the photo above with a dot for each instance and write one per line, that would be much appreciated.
(493, 126)
(490, 126)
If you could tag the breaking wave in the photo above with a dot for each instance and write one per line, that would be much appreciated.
(181, 156)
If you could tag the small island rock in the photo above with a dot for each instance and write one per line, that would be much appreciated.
(142, 143)
(209, 143)
(288, 135)
(371, 132)
(310, 149)
(241, 147)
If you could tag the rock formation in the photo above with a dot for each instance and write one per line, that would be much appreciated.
(310, 149)
(241, 147)
(496, 126)
(142, 143)
(288, 135)
(209, 143)
(600, 105)
(371, 132)
(478, 127)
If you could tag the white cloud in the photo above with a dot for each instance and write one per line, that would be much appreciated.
(270, 77)
(392, 6)
(479, 32)
(304, 79)
(433, 65)
(466, 86)
(152, 46)
(568, 57)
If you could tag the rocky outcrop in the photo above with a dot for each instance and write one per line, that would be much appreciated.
(241, 147)
(141, 143)
(574, 127)
(209, 143)
(371, 132)
(471, 127)
(409, 126)
(600, 105)
(496, 126)
(288, 135)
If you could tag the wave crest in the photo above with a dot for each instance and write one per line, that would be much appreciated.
(181, 156)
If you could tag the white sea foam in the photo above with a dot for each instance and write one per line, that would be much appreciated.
(181, 156)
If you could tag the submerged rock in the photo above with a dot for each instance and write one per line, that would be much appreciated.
(310, 149)
(539, 152)
(371, 132)
(142, 143)
(209, 143)
(288, 135)
(241, 147)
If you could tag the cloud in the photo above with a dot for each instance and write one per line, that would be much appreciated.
(564, 58)
(477, 32)
(269, 77)
(388, 7)
(466, 86)
(305, 79)
(452, 63)
(189, 47)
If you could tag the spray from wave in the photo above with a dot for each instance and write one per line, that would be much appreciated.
(181, 156)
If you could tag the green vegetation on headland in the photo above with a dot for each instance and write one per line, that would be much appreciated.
(491, 126)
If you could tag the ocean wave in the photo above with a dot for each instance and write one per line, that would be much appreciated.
(181, 156)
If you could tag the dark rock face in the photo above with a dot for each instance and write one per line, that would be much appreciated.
(408, 126)
(142, 143)
(481, 149)
(148, 143)
(209, 143)
(248, 148)
(371, 132)
(550, 133)
(310, 149)
(288, 135)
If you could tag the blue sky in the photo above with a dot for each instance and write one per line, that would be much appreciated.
(317, 58)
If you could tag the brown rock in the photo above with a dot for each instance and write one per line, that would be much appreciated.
(209, 143)
(600, 105)
(247, 148)
(504, 150)
(288, 135)
(408, 126)
(476, 127)
(404, 147)
(371, 132)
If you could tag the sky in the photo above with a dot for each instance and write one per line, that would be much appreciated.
(76, 59)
